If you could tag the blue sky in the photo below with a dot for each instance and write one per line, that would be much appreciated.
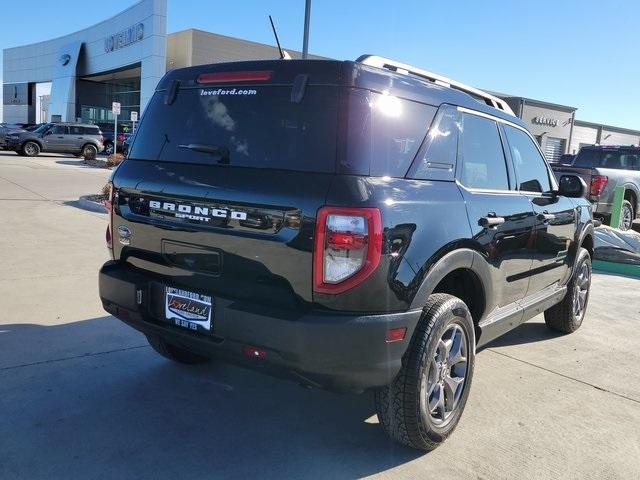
(578, 53)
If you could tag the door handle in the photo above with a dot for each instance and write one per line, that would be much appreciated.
(491, 221)
(546, 217)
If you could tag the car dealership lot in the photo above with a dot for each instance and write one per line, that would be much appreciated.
(83, 396)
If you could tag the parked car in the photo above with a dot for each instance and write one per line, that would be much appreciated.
(74, 138)
(353, 226)
(603, 168)
(108, 131)
(126, 144)
(7, 128)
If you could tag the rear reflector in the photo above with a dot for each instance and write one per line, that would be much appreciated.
(253, 352)
(228, 77)
(395, 334)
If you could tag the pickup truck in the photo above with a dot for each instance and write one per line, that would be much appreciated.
(603, 168)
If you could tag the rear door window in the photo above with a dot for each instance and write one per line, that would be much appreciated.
(531, 170)
(483, 161)
(253, 126)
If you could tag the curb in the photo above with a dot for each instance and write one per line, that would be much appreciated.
(617, 268)
(86, 204)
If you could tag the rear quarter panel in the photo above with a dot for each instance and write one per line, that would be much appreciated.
(422, 221)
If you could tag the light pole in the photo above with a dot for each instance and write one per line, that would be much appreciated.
(307, 18)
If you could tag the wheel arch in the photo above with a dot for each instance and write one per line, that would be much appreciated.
(464, 273)
(631, 194)
(34, 140)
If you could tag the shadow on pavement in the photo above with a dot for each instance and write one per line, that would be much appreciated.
(529, 332)
(94, 401)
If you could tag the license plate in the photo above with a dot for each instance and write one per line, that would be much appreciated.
(188, 310)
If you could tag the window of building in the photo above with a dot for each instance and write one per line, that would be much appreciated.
(483, 162)
(531, 171)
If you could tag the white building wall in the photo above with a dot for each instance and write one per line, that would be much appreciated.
(38, 62)
(582, 135)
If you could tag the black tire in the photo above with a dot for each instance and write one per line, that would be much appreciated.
(564, 317)
(30, 149)
(89, 151)
(402, 406)
(175, 353)
(108, 148)
(627, 215)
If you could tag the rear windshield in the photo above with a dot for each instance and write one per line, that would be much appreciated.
(259, 126)
(617, 159)
(252, 126)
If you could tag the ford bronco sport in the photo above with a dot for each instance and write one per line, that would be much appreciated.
(356, 226)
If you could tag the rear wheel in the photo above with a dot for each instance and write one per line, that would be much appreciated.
(175, 353)
(89, 151)
(423, 405)
(567, 316)
(626, 215)
(31, 149)
(108, 148)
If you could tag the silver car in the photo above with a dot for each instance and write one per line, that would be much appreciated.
(75, 138)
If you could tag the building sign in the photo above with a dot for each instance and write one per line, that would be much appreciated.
(15, 94)
(549, 122)
(124, 38)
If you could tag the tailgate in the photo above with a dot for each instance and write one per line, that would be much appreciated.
(239, 233)
(584, 173)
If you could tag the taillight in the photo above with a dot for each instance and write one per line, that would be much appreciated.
(348, 247)
(228, 77)
(598, 182)
(108, 203)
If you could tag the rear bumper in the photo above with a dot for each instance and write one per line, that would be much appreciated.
(337, 352)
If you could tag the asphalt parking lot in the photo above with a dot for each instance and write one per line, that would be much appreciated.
(82, 396)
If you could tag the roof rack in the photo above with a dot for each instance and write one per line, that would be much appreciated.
(479, 95)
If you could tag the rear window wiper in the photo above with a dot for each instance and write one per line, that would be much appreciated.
(222, 152)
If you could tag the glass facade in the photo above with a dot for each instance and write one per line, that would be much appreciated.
(95, 96)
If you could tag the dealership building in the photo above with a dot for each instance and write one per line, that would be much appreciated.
(122, 59)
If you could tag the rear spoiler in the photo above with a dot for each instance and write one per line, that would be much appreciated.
(480, 95)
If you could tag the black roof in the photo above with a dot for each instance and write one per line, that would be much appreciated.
(346, 73)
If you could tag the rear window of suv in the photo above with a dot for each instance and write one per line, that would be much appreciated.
(259, 126)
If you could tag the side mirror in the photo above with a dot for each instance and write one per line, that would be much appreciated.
(572, 186)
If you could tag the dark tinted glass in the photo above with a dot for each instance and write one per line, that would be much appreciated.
(91, 130)
(531, 171)
(620, 160)
(59, 130)
(483, 162)
(259, 126)
(74, 130)
(441, 149)
(383, 133)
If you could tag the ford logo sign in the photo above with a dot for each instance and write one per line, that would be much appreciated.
(65, 59)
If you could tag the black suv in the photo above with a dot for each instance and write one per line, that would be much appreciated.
(348, 226)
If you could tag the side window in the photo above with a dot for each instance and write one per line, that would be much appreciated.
(441, 147)
(59, 130)
(76, 130)
(90, 130)
(531, 171)
(483, 161)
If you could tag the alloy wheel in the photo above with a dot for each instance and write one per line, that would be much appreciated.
(30, 149)
(581, 291)
(445, 379)
(626, 219)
